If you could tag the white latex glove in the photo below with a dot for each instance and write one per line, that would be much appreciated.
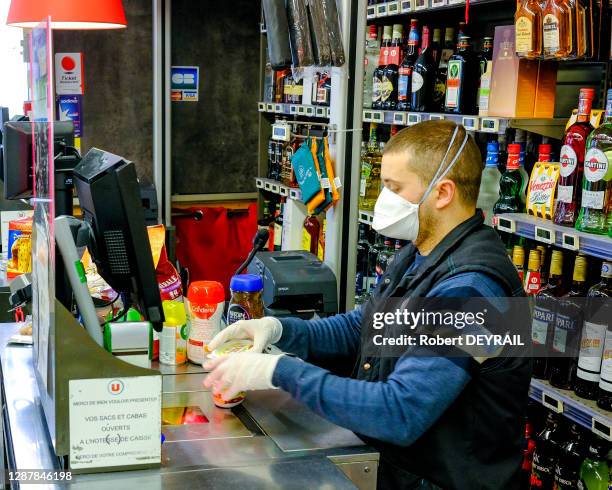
(262, 332)
(243, 371)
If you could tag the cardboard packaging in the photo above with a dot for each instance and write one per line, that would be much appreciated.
(546, 90)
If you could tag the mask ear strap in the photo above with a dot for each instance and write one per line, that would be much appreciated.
(441, 166)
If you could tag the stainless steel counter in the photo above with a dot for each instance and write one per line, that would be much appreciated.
(271, 441)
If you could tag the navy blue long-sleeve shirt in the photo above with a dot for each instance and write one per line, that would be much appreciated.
(398, 410)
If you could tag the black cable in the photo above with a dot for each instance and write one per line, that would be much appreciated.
(123, 312)
(103, 304)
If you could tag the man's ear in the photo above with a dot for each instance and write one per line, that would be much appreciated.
(446, 191)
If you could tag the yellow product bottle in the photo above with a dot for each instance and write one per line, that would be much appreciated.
(173, 338)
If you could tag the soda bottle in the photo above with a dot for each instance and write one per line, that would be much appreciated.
(571, 158)
(568, 327)
(597, 315)
(489, 184)
(594, 470)
(571, 454)
(545, 455)
(510, 184)
(595, 213)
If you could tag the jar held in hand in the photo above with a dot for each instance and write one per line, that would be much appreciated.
(246, 302)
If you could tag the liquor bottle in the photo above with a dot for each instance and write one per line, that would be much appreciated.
(523, 171)
(518, 259)
(462, 31)
(268, 83)
(375, 250)
(404, 93)
(323, 88)
(372, 51)
(484, 82)
(568, 327)
(557, 29)
(423, 73)
(439, 93)
(533, 281)
(462, 80)
(278, 227)
(571, 158)
(510, 184)
(435, 46)
(391, 71)
(597, 316)
(571, 454)
(594, 471)
(604, 292)
(383, 257)
(488, 193)
(529, 445)
(546, 452)
(544, 314)
(527, 25)
(369, 188)
(544, 265)
(363, 249)
(582, 25)
(596, 210)
(279, 84)
(377, 78)
(486, 55)
(544, 153)
(310, 234)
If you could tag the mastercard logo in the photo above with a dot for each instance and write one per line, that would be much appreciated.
(68, 63)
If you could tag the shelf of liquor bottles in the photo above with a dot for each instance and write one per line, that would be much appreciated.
(583, 412)
(388, 9)
(276, 187)
(545, 231)
(320, 112)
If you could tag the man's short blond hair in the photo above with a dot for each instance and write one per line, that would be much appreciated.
(424, 146)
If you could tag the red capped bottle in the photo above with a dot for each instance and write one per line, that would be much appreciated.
(571, 158)
(544, 153)
(390, 73)
(404, 91)
(510, 184)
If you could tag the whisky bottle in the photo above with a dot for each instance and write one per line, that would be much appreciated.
(527, 22)
(557, 29)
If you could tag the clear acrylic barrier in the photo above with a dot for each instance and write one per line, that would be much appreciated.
(43, 243)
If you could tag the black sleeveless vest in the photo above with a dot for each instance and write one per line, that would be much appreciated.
(477, 443)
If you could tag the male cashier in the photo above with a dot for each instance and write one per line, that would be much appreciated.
(454, 422)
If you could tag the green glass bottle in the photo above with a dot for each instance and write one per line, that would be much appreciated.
(510, 184)
(595, 213)
(594, 470)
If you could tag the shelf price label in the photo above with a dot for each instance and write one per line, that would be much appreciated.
(259, 183)
(293, 109)
(321, 111)
(278, 108)
(367, 116)
(381, 10)
(489, 125)
(549, 400)
(506, 224)
(267, 186)
(392, 8)
(309, 110)
(261, 106)
(399, 118)
(378, 116)
(571, 242)
(301, 109)
(455, 2)
(544, 235)
(438, 3)
(405, 6)
(295, 194)
(269, 107)
(602, 428)
(420, 4)
(413, 119)
(372, 12)
(437, 117)
(283, 190)
(470, 123)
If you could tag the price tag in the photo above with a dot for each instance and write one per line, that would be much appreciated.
(413, 118)
(544, 235)
(405, 6)
(420, 5)
(281, 131)
(295, 194)
(372, 12)
(551, 402)
(470, 123)
(259, 183)
(399, 118)
(321, 111)
(301, 109)
(267, 186)
(437, 117)
(309, 111)
(455, 2)
(438, 3)
(293, 109)
(367, 116)
(392, 8)
(325, 183)
(269, 107)
(261, 106)
(571, 242)
(381, 10)
(284, 190)
(506, 224)
(278, 108)
(327, 111)
(489, 125)
(378, 116)
(337, 182)
(275, 188)
(602, 428)
(365, 217)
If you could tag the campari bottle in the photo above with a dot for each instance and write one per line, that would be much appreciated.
(571, 158)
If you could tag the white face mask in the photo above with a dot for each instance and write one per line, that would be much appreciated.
(395, 217)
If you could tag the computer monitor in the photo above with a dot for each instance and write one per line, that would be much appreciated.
(17, 154)
(109, 196)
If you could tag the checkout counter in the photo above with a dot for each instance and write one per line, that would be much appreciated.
(271, 441)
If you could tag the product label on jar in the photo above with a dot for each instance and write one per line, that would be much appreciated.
(593, 199)
(417, 82)
(591, 349)
(568, 160)
(595, 165)
(236, 312)
(550, 38)
(376, 89)
(204, 324)
(605, 382)
(453, 83)
(386, 89)
(523, 35)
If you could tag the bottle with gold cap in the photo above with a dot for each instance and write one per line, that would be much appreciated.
(544, 313)
(532, 278)
(568, 329)
(518, 259)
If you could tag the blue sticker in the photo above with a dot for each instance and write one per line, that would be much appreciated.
(69, 108)
(185, 82)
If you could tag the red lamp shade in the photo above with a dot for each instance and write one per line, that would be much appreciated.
(68, 14)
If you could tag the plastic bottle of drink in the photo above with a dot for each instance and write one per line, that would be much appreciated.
(173, 338)
(596, 212)
(510, 184)
(489, 184)
(594, 471)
